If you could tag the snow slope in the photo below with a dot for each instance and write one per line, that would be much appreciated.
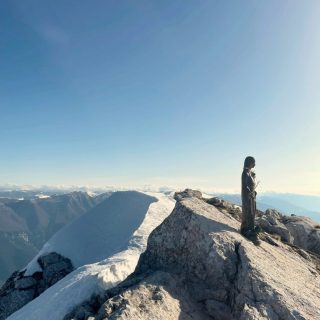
(103, 231)
(79, 285)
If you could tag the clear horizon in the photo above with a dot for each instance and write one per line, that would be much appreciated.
(151, 188)
(160, 93)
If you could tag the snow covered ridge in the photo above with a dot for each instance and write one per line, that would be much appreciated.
(103, 231)
(104, 247)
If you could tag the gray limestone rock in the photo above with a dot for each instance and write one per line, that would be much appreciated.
(304, 233)
(188, 193)
(159, 296)
(226, 207)
(271, 222)
(296, 230)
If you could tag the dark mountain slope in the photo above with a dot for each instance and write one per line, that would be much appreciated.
(25, 225)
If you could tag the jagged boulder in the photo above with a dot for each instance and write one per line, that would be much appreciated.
(20, 289)
(296, 230)
(271, 222)
(55, 267)
(198, 266)
(226, 207)
(304, 231)
(187, 193)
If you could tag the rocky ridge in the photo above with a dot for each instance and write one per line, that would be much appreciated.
(299, 231)
(198, 266)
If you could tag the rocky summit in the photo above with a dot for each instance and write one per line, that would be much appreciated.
(198, 266)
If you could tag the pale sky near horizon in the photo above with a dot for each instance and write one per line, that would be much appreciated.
(166, 93)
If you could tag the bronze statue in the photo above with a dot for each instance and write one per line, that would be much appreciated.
(248, 195)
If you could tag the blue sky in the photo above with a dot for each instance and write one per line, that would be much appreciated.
(160, 92)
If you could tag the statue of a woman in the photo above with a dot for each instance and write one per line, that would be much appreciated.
(248, 195)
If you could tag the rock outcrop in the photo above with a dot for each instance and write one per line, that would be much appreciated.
(19, 289)
(198, 266)
(297, 230)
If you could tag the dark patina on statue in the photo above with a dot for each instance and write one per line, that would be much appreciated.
(248, 195)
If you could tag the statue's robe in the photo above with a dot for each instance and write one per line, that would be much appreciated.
(248, 196)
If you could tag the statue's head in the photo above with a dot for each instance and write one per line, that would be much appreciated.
(249, 162)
